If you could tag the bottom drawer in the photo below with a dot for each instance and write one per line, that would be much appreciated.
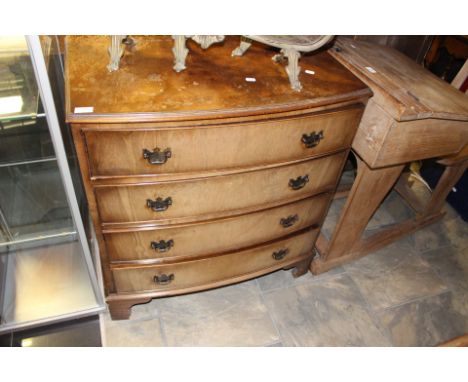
(214, 270)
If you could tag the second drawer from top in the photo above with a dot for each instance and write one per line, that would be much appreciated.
(217, 196)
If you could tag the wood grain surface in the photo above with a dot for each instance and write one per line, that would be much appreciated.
(207, 198)
(215, 269)
(196, 149)
(413, 115)
(382, 141)
(236, 147)
(406, 89)
(146, 88)
(215, 236)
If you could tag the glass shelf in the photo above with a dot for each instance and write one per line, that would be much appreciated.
(33, 201)
(24, 134)
(46, 281)
(27, 141)
(46, 269)
(19, 94)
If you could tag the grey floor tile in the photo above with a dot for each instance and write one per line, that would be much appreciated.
(397, 208)
(145, 311)
(382, 217)
(451, 264)
(394, 275)
(392, 210)
(450, 212)
(430, 238)
(332, 217)
(336, 207)
(133, 333)
(229, 316)
(275, 345)
(142, 329)
(327, 313)
(348, 175)
(426, 322)
(460, 303)
(283, 279)
(457, 231)
(446, 232)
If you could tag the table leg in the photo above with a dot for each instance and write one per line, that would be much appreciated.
(449, 178)
(115, 52)
(368, 192)
(293, 69)
(245, 44)
(180, 52)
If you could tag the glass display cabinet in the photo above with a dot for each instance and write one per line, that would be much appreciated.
(47, 271)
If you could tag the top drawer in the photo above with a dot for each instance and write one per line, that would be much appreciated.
(114, 152)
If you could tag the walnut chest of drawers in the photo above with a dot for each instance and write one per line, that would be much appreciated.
(200, 179)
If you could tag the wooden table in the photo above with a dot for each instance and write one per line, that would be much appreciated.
(413, 115)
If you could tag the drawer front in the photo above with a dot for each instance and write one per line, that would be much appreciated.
(120, 153)
(214, 269)
(217, 196)
(216, 236)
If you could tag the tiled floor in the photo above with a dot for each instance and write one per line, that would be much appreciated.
(411, 293)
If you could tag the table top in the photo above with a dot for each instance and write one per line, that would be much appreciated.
(403, 88)
(214, 85)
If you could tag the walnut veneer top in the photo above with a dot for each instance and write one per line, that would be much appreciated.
(146, 88)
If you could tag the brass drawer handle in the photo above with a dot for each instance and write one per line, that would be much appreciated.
(313, 139)
(299, 182)
(157, 156)
(280, 255)
(162, 245)
(289, 221)
(159, 204)
(164, 279)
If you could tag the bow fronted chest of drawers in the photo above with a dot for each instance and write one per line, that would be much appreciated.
(201, 179)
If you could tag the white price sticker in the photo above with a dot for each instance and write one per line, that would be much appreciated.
(85, 109)
(250, 79)
(309, 71)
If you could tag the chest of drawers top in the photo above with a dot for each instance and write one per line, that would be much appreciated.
(214, 86)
